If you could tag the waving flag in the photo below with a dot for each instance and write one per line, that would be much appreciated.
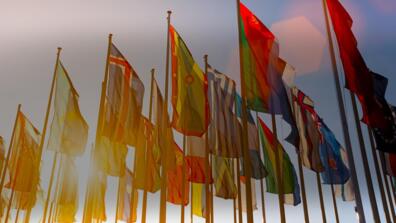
(24, 163)
(263, 70)
(223, 178)
(124, 98)
(335, 171)
(189, 90)
(287, 173)
(308, 126)
(196, 160)
(69, 130)
(175, 180)
(124, 199)
(224, 129)
(358, 76)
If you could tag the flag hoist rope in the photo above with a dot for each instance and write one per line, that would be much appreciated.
(344, 123)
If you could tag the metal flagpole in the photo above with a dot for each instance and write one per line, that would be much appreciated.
(207, 170)
(163, 158)
(118, 201)
(100, 113)
(322, 208)
(379, 179)
(367, 173)
(262, 183)
(183, 192)
(54, 162)
(238, 175)
(278, 168)
(245, 149)
(148, 161)
(344, 123)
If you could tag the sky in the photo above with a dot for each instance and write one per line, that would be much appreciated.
(32, 30)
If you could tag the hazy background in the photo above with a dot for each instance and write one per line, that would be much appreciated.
(32, 30)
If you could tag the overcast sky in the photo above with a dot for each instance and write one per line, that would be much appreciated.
(32, 30)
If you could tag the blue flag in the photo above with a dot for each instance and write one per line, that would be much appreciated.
(335, 170)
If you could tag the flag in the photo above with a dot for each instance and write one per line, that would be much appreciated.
(389, 160)
(272, 148)
(257, 166)
(69, 130)
(147, 169)
(263, 70)
(308, 126)
(359, 79)
(67, 200)
(345, 191)
(223, 178)
(24, 200)
(385, 137)
(110, 157)
(175, 180)
(335, 171)
(199, 199)
(196, 160)
(189, 90)
(24, 160)
(124, 99)
(224, 129)
(124, 199)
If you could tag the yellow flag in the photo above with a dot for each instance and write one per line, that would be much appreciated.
(110, 157)
(24, 161)
(124, 199)
(67, 200)
(198, 199)
(69, 130)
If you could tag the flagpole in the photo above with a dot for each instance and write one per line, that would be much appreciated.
(17, 215)
(55, 159)
(211, 193)
(333, 193)
(278, 168)
(9, 150)
(238, 174)
(379, 179)
(183, 180)
(233, 200)
(344, 123)
(100, 114)
(367, 173)
(386, 179)
(148, 161)
(207, 170)
(52, 208)
(322, 208)
(12, 186)
(245, 149)
(118, 200)
(301, 171)
(261, 183)
(163, 158)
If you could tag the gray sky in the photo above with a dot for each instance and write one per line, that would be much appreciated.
(31, 31)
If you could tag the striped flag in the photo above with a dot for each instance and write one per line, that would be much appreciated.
(308, 126)
(223, 178)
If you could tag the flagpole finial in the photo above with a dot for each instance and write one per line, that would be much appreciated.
(169, 12)
(59, 50)
(205, 57)
(110, 35)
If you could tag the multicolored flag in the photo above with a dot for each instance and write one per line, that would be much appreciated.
(263, 69)
(335, 171)
(24, 163)
(358, 76)
(223, 178)
(272, 148)
(175, 180)
(124, 100)
(345, 191)
(189, 90)
(69, 130)
(224, 129)
(385, 137)
(195, 159)
(257, 166)
(308, 126)
(67, 199)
